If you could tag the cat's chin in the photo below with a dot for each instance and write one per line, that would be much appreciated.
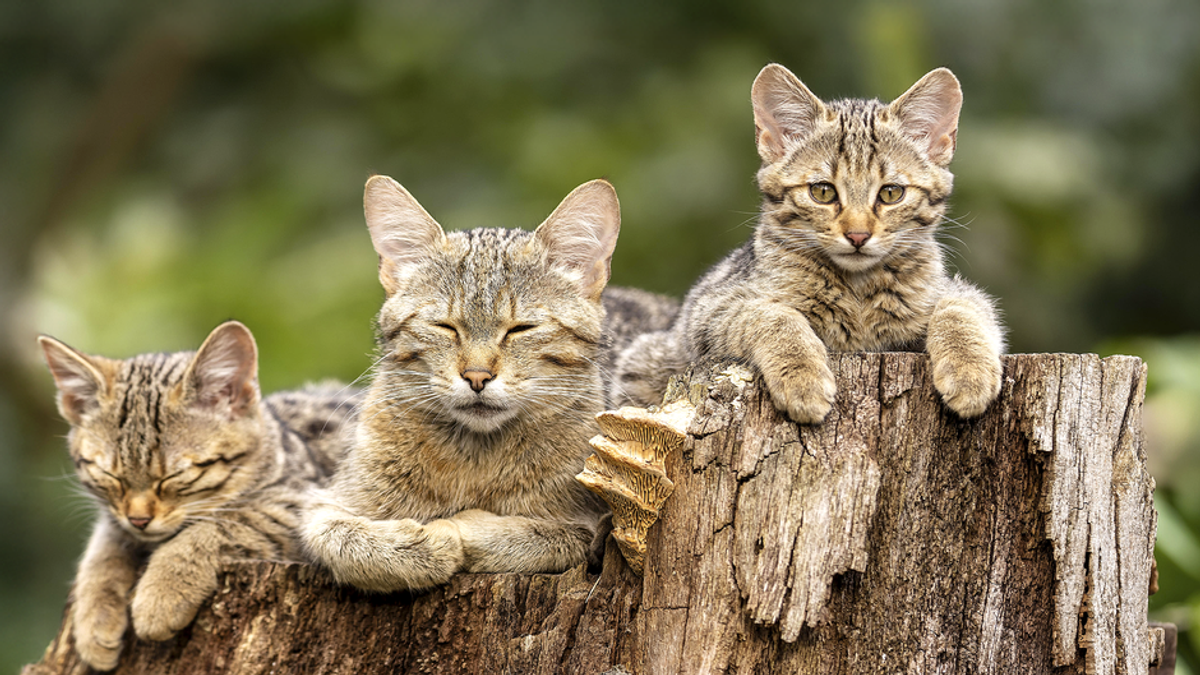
(482, 418)
(855, 262)
(145, 537)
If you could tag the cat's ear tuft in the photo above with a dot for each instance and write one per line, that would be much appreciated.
(80, 378)
(928, 114)
(580, 235)
(785, 111)
(403, 233)
(223, 376)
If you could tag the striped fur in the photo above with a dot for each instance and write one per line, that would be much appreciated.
(190, 469)
(483, 399)
(844, 257)
(628, 314)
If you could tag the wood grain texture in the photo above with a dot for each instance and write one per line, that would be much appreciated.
(894, 538)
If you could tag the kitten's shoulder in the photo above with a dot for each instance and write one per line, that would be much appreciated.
(629, 312)
(322, 415)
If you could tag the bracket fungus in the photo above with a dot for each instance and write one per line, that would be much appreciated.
(628, 469)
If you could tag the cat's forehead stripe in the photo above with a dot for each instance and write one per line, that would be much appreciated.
(487, 271)
(858, 140)
(147, 380)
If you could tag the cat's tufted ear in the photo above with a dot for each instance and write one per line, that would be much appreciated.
(785, 111)
(928, 114)
(223, 375)
(402, 231)
(580, 235)
(81, 379)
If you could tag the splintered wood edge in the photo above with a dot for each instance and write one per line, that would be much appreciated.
(628, 469)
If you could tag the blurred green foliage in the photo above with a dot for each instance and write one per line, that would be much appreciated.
(164, 167)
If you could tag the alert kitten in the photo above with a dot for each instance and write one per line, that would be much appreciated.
(844, 257)
(483, 400)
(190, 469)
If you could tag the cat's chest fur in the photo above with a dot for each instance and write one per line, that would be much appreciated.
(883, 308)
(433, 472)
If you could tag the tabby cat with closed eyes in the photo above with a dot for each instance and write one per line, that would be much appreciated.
(190, 469)
(483, 399)
(844, 257)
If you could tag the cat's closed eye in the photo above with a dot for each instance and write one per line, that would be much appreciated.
(102, 482)
(518, 329)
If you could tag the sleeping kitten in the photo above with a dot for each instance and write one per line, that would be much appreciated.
(844, 257)
(190, 469)
(483, 400)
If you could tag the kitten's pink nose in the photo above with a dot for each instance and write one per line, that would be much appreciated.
(478, 378)
(139, 523)
(858, 238)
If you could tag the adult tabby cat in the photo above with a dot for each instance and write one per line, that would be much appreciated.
(844, 257)
(483, 400)
(191, 470)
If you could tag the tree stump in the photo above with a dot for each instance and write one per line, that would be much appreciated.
(893, 538)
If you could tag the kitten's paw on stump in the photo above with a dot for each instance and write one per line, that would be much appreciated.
(99, 632)
(805, 393)
(160, 609)
(98, 656)
(968, 384)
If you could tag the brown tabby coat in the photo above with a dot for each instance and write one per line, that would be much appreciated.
(628, 314)
(483, 400)
(190, 469)
(844, 257)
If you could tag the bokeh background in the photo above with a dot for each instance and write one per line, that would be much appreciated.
(166, 166)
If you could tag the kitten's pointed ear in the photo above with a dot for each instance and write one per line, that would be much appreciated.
(223, 375)
(402, 231)
(80, 378)
(928, 113)
(581, 234)
(785, 111)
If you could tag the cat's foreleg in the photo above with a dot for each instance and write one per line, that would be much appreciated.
(182, 574)
(100, 612)
(965, 341)
(493, 543)
(794, 363)
(381, 555)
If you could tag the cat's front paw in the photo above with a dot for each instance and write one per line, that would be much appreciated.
(99, 623)
(803, 390)
(384, 555)
(968, 382)
(164, 606)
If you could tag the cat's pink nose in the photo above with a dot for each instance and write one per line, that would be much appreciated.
(478, 378)
(139, 523)
(858, 238)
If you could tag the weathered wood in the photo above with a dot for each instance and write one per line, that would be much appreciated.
(894, 538)
(271, 618)
(1164, 642)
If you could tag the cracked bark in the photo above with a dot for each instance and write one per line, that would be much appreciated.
(892, 538)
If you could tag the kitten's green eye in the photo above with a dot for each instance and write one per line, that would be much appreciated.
(823, 193)
(890, 194)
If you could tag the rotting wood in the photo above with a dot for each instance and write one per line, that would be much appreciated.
(894, 538)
